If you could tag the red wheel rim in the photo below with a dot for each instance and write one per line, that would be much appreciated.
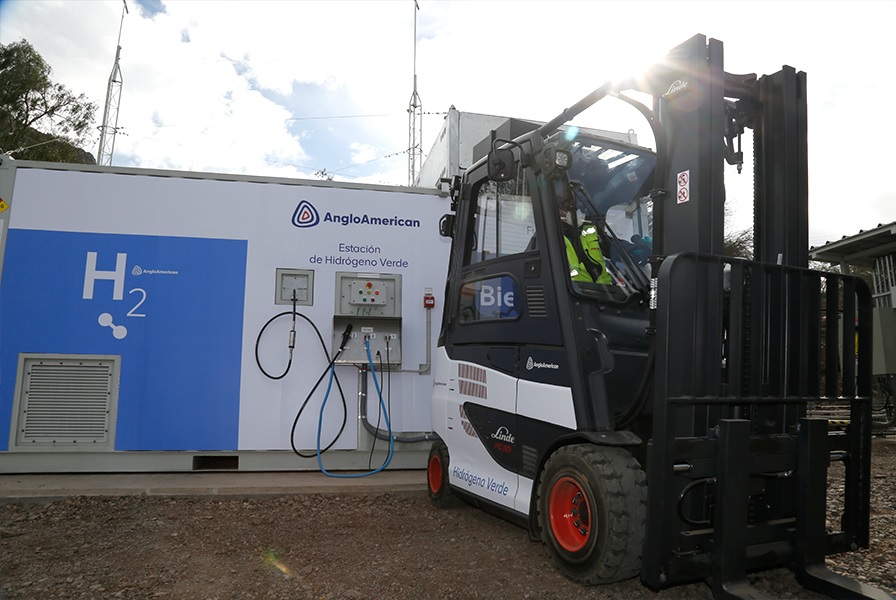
(570, 514)
(434, 473)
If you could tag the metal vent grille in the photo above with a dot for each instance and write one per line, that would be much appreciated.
(530, 461)
(535, 301)
(471, 381)
(66, 402)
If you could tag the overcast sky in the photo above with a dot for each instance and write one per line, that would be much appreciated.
(292, 88)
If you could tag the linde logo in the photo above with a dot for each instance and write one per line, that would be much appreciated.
(677, 86)
(531, 364)
(503, 434)
(306, 215)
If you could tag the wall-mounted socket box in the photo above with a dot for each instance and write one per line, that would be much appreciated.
(294, 281)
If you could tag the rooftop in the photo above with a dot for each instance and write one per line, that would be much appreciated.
(860, 249)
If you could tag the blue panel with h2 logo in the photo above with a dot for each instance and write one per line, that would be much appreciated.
(171, 307)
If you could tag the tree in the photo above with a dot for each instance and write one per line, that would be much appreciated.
(40, 119)
(739, 244)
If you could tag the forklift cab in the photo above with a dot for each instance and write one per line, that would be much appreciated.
(530, 212)
(599, 189)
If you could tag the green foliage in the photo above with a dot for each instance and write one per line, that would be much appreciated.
(40, 119)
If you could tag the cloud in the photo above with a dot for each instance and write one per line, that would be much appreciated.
(253, 87)
(150, 8)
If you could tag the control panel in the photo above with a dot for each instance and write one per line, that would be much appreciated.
(369, 292)
(371, 303)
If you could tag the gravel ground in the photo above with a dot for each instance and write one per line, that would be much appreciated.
(328, 547)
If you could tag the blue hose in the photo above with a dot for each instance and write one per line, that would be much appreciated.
(320, 422)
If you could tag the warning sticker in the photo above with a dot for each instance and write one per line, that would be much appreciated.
(683, 186)
(3, 205)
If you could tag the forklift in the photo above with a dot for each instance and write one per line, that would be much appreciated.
(607, 379)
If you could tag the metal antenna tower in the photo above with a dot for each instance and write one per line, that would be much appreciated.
(415, 117)
(113, 100)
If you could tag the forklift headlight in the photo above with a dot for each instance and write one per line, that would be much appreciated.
(562, 159)
(556, 159)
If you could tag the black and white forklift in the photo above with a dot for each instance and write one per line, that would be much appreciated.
(606, 378)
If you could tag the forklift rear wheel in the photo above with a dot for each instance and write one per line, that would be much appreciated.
(437, 475)
(592, 507)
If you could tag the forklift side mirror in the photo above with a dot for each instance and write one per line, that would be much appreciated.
(501, 165)
(446, 225)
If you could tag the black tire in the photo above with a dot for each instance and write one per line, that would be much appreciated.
(592, 510)
(437, 476)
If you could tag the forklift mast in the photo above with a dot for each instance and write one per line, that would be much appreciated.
(703, 111)
(737, 473)
(702, 367)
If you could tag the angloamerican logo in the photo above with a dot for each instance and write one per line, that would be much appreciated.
(533, 364)
(306, 216)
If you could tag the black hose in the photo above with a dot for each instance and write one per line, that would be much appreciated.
(292, 336)
(627, 416)
(295, 422)
(684, 492)
(292, 341)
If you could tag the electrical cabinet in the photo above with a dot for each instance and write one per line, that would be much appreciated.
(371, 304)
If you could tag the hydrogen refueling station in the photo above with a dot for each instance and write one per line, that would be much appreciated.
(158, 320)
(176, 321)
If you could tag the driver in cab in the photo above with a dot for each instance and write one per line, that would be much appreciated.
(583, 251)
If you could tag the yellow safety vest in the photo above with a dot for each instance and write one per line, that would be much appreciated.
(591, 245)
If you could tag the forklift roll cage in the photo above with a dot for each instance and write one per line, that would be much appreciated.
(703, 370)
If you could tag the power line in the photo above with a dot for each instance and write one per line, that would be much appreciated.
(341, 117)
(23, 148)
(286, 164)
(371, 160)
(323, 172)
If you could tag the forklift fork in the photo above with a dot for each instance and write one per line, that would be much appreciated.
(737, 468)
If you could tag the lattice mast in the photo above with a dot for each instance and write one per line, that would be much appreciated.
(109, 128)
(415, 118)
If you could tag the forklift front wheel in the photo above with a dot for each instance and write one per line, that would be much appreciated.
(437, 475)
(592, 506)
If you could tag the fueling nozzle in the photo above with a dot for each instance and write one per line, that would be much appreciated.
(292, 331)
(345, 335)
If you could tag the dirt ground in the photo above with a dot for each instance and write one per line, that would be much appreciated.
(328, 547)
